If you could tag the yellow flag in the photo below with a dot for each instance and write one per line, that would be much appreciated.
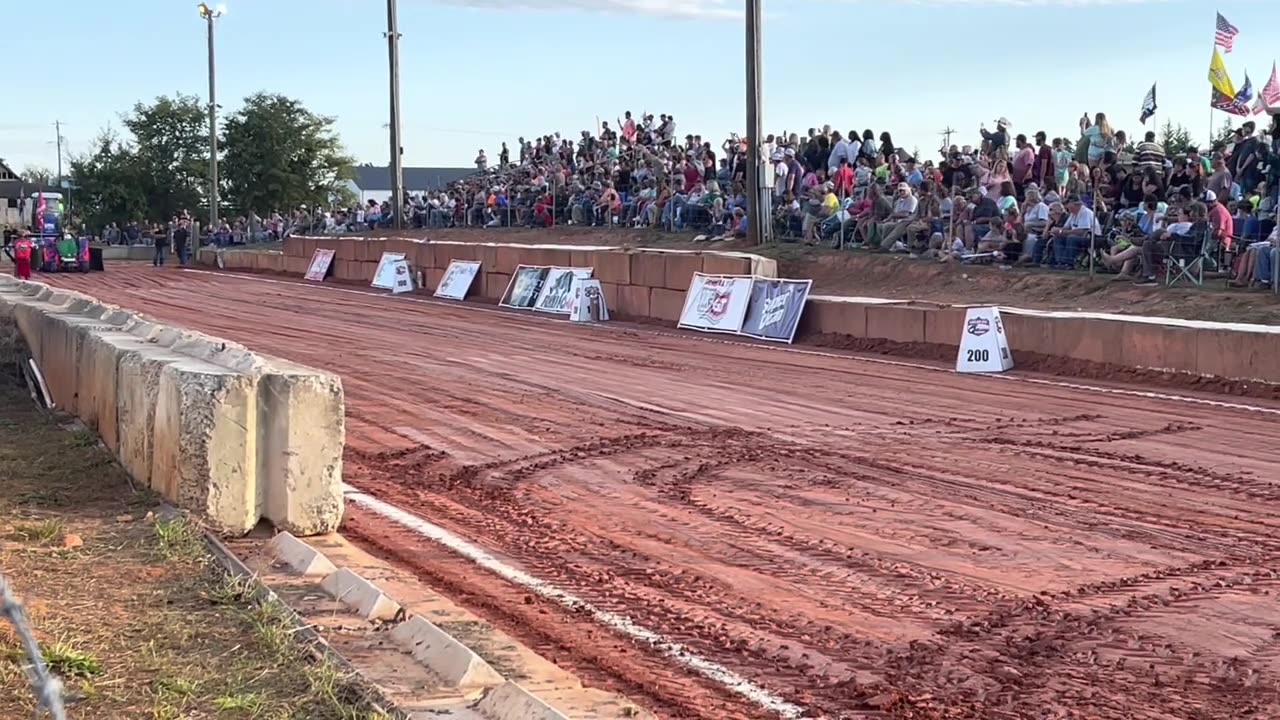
(1218, 77)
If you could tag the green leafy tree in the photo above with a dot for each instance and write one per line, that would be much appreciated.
(1175, 139)
(280, 155)
(171, 147)
(111, 185)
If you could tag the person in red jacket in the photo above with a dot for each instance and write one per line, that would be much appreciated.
(22, 248)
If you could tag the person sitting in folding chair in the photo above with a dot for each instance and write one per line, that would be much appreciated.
(1181, 245)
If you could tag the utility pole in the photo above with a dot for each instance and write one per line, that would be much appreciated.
(210, 14)
(757, 221)
(57, 127)
(946, 139)
(397, 167)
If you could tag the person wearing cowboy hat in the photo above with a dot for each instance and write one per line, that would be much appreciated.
(997, 141)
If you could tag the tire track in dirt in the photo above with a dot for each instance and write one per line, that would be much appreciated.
(865, 540)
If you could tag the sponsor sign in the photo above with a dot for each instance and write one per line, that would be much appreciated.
(775, 307)
(716, 303)
(556, 288)
(403, 276)
(586, 301)
(984, 347)
(526, 283)
(385, 276)
(457, 279)
(318, 270)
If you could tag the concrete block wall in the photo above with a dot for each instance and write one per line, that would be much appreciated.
(637, 283)
(1219, 350)
(650, 284)
(228, 434)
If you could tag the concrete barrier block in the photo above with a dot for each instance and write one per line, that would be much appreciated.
(512, 702)
(633, 301)
(299, 557)
(718, 264)
(898, 323)
(583, 259)
(308, 248)
(1238, 355)
(292, 246)
(612, 266)
(360, 595)
(506, 260)
(494, 285)
(944, 326)
(436, 275)
(610, 291)
(1160, 347)
(204, 451)
(487, 255)
(99, 368)
(648, 269)
(679, 269)
(302, 433)
(1082, 339)
(666, 304)
(137, 388)
(839, 318)
(455, 664)
(367, 271)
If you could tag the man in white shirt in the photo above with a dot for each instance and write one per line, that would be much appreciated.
(1076, 235)
(839, 151)
(895, 228)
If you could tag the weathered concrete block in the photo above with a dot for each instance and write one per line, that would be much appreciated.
(612, 266)
(720, 264)
(512, 702)
(898, 323)
(666, 304)
(137, 389)
(648, 269)
(455, 664)
(679, 270)
(633, 301)
(360, 595)
(299, 557)
(204, 452)
(302, 423)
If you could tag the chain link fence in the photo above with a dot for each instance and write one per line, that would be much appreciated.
(47, 687)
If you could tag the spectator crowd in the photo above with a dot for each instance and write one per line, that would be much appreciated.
(1103, 201)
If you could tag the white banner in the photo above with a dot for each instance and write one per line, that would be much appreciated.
(525, 286)
(320, 263)
(384, 278)
(403, 275)
(457, 279)
(716, 303)
(586, 301)
(556, 289)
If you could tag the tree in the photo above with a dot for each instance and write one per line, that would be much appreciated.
(1224, 134)
(281, 155)
(1175, 139)
(39, 176)
(111, 184)
(171, 148)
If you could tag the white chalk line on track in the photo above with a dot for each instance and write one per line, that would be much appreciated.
(771, 347)
(620, 623)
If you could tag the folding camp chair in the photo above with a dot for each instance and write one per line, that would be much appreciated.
(1187, 261)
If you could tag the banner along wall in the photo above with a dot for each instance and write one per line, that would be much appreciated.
(716, 303)
(774, 310)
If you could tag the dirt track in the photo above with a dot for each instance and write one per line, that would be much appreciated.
(863, 539)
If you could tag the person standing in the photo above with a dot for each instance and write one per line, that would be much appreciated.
(181, 235)
(22, 248)
(160, 238)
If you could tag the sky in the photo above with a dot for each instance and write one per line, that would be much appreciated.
(477, 72)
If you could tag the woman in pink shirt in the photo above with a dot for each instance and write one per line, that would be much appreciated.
(996, 178)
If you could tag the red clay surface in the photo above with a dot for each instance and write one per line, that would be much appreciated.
(860, 538)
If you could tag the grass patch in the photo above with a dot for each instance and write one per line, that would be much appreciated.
(138, 621)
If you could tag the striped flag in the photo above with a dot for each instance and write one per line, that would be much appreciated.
(1269, 98)
(1224, 34)
(1148, 105)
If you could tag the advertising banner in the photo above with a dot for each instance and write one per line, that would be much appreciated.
(319, 268)
(457, 279)
(402, 275)
(586, 301)
(716, 303)
(526, 283)
(556, 288)
(775, 307)
(385, 276)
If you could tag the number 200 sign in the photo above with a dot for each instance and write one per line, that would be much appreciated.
(984, 347)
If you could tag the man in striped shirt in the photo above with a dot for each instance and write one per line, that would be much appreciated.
(1149, 154)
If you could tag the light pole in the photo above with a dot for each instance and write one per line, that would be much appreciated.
(209, 14)
(397, 153)
(758, 222)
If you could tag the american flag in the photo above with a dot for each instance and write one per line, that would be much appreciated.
(1224, 35)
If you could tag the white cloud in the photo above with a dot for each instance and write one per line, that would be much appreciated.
(688, 9)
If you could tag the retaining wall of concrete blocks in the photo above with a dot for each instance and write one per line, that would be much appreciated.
(650, 284)
(216, 429)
